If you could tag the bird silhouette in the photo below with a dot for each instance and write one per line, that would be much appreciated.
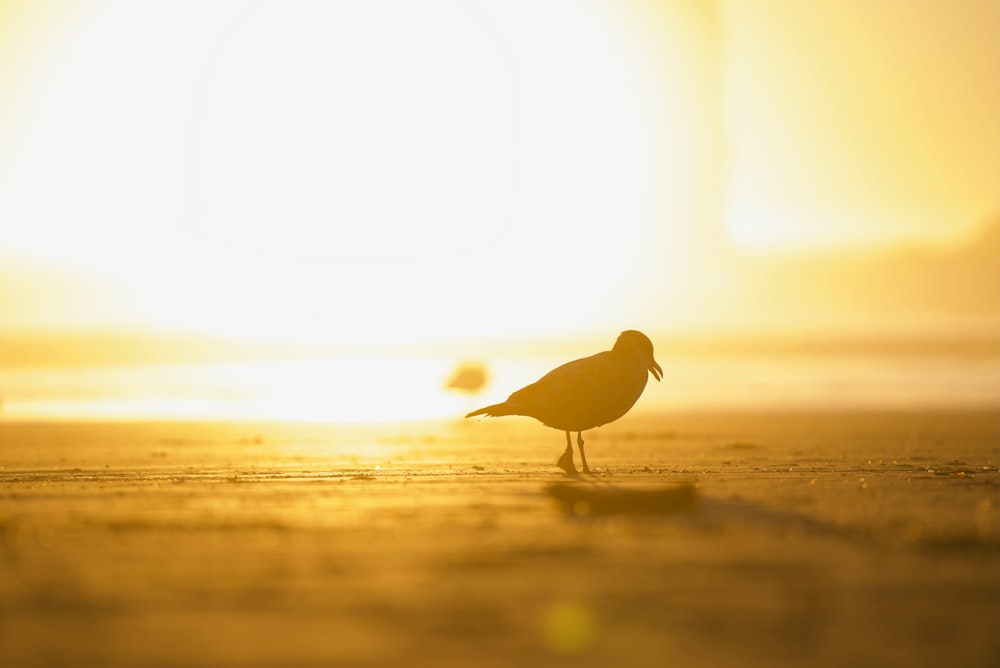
(585, 393)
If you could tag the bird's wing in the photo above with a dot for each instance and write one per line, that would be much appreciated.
(578, 384)
(586, 375)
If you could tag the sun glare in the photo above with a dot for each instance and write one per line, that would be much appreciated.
(344, 172)
(373, 130)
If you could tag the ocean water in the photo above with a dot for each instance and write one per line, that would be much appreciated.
(389, 388)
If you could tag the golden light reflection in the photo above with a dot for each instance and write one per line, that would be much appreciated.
(350, 389)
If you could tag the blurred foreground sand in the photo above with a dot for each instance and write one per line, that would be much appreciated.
(767, 539)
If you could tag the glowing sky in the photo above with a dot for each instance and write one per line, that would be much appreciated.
(862, 122)
(388, 170)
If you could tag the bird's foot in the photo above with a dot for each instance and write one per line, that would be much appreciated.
(587, 470)
(566, 463)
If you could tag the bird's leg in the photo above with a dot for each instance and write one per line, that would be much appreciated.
(583, 455)
(566, 461)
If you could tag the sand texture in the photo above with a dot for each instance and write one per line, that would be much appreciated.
(861, 539)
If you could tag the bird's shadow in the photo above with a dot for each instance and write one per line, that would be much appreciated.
(608, 500)
(683, 500)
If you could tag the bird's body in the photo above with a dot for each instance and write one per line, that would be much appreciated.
(585, 393)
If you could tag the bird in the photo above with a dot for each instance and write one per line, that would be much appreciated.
(585, 393)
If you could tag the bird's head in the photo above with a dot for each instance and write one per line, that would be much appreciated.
(636, 343)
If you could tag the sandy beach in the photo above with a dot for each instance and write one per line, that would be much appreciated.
(725, 539)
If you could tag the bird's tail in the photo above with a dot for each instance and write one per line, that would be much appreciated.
(496, 410)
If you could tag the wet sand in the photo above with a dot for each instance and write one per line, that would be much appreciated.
(762, 539)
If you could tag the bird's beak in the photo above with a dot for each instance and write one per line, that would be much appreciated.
(656, 370)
